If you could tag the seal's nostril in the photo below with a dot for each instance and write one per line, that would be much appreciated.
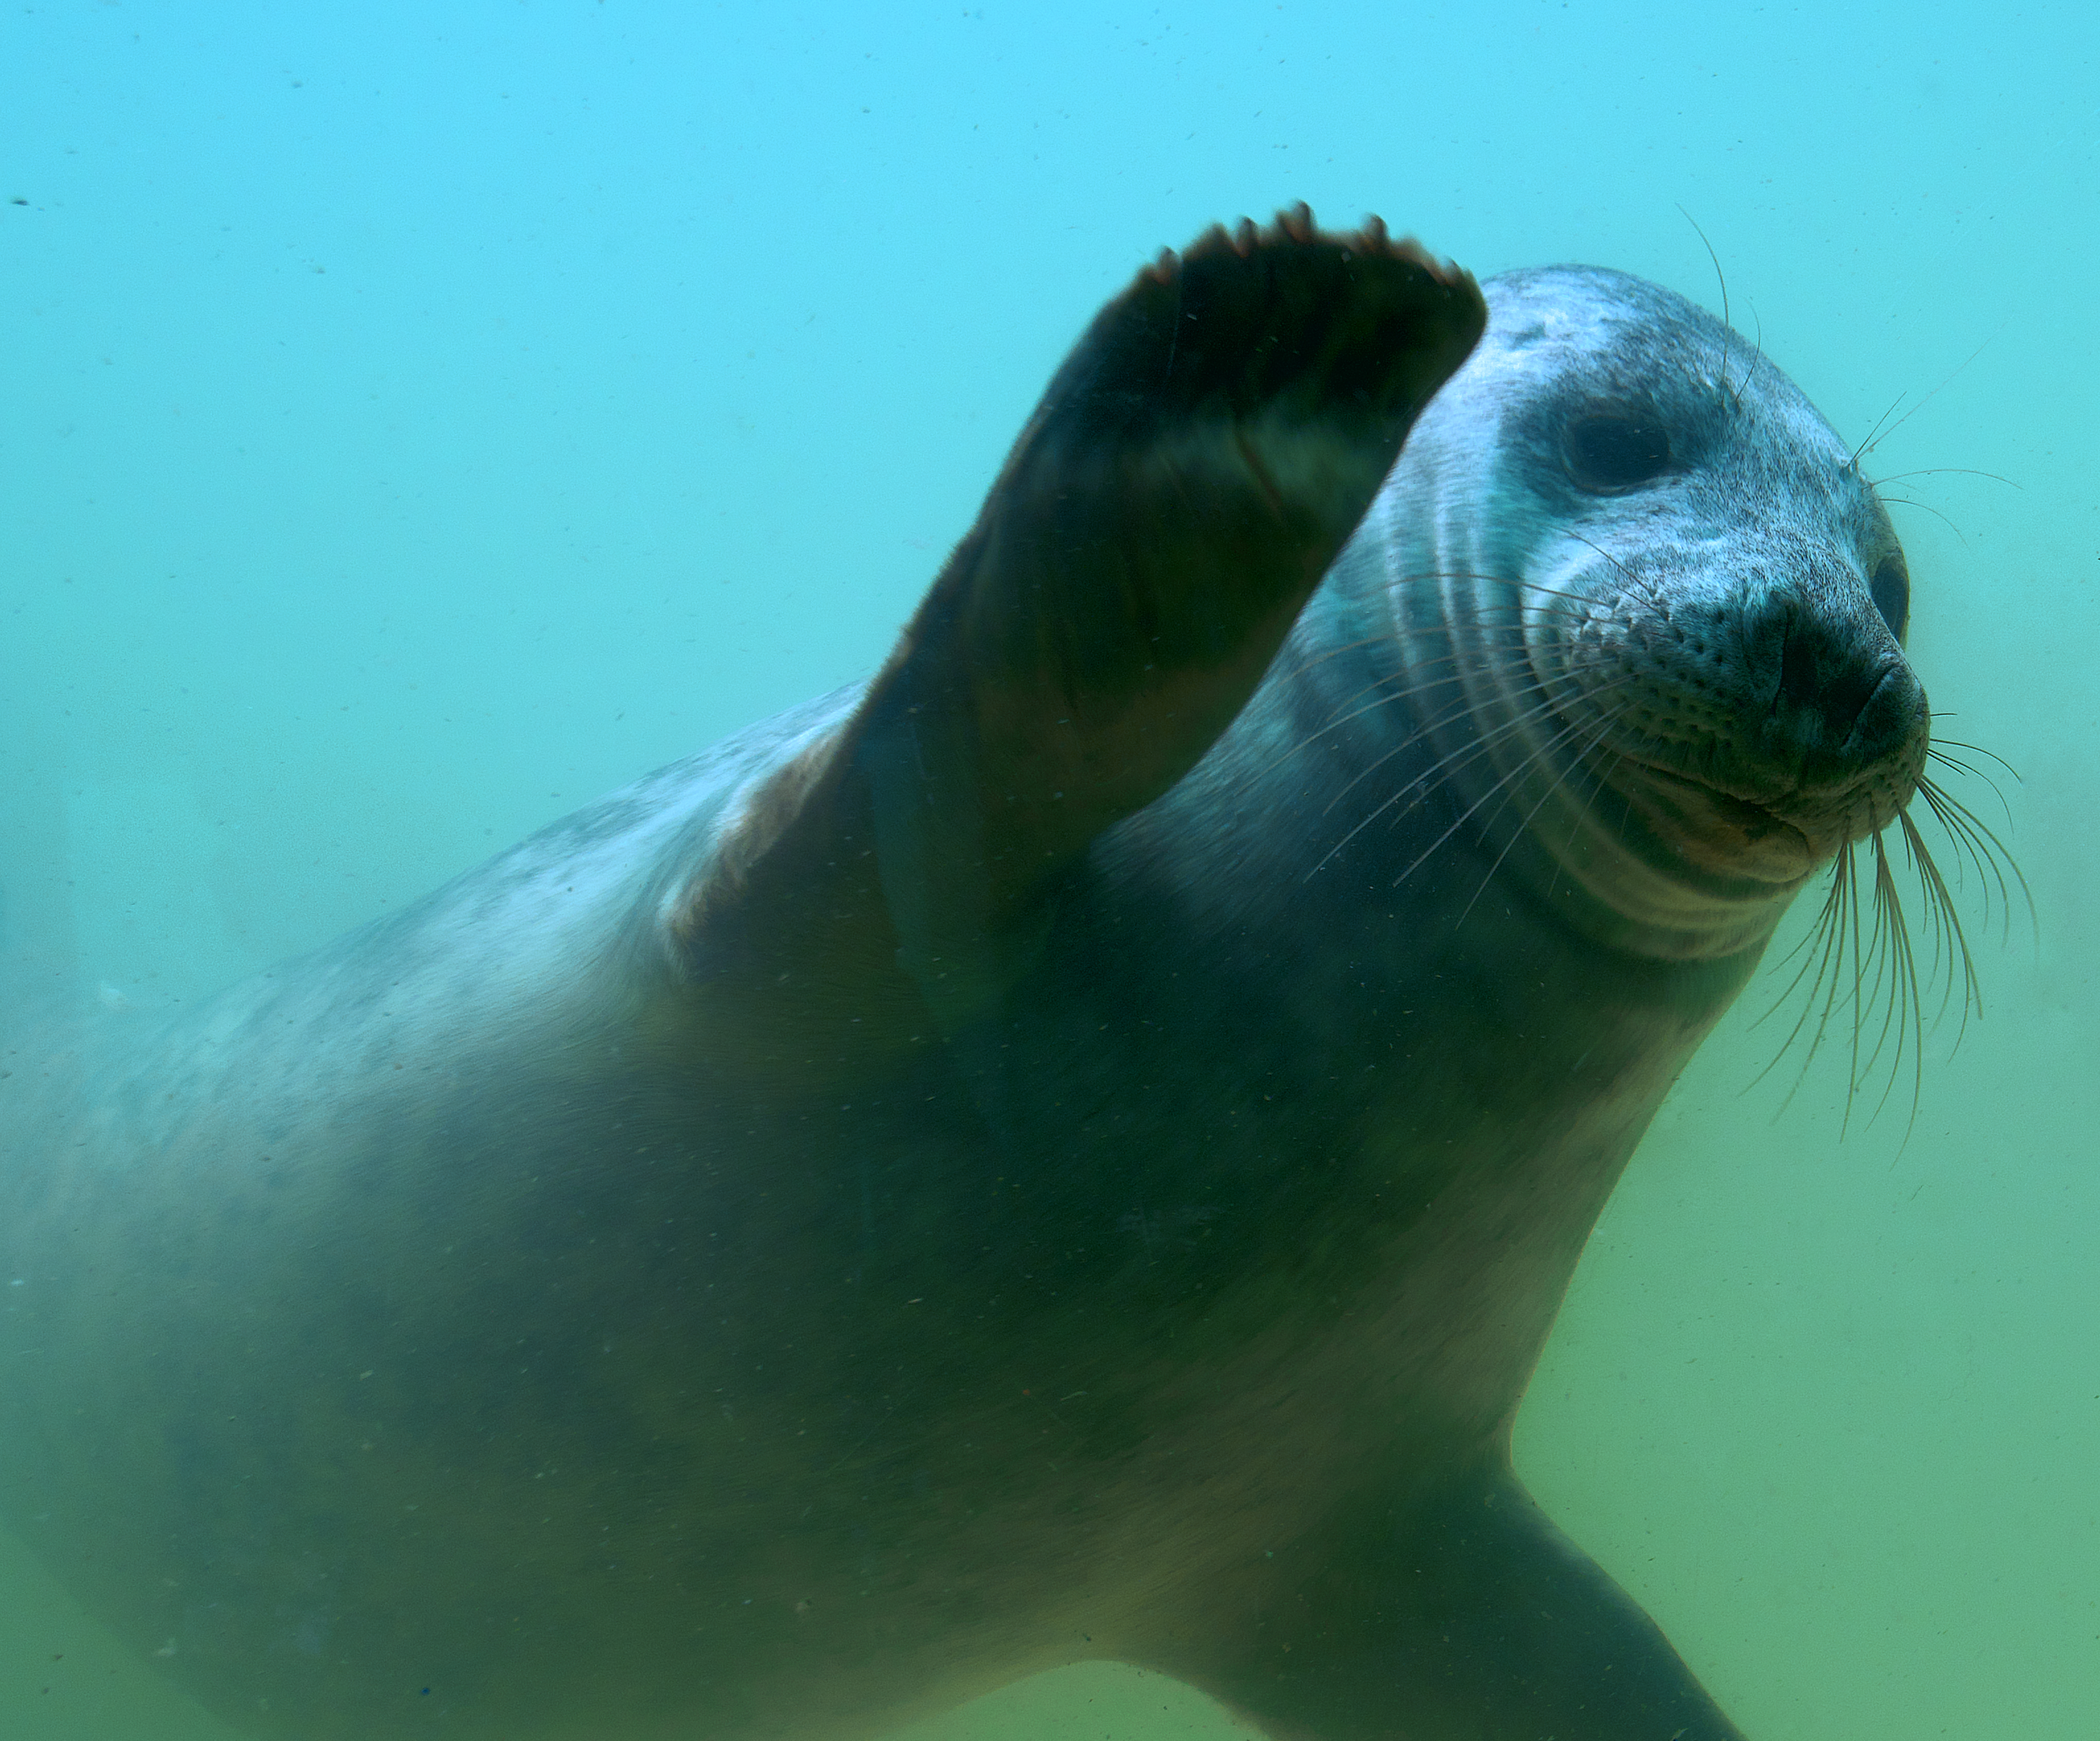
(1825, 683)
(1847, 693)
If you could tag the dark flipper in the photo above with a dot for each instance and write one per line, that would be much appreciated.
(1194, 467)
(1467, 1618)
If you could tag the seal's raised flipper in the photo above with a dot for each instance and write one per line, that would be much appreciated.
(1194, 467)
(1470, 1617)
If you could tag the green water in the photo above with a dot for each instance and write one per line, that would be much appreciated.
(417, 420)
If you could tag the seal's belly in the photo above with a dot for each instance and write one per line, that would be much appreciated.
(675, 1393)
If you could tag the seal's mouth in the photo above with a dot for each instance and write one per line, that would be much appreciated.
(1763, 815)
(1750, 753)
(1726, 837)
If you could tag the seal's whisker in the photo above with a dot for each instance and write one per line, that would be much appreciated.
(1389, 698)
(1949, 944)
(1514, 583)
(1467, 754)
(1824, 950)
(1852, 937)
(1875, 440)
(1943, 471)
(1938, 752)
(1647, 585)
(1393, 690)
(1876, 961)
(1431, 778)
(1904, 501)
(1396, 686)
(1460, 710)
(1538, 754)
(1939, 755)
(1835, 950)
(1390, 688)
(1338, 649)
(1569, 594)
(1942, 899)
(1600, 777)
(1726, 329)
(1967, 827)
(1416, 679)
(1394, 638)
(1519, 583)
(1975, 845)
(1581, 598)
(1422, 730)
(1867, 442)
(1939, 744)
(1418, 577)
(1902, 1016)
(1990, 855)
(1881, 960)
(1384, 636)
(1466, 815)
(1610, 720)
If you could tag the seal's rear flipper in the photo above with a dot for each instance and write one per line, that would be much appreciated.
(1470, 1618)
(1196, 464)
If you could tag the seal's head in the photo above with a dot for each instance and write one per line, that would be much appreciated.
(1653, 613)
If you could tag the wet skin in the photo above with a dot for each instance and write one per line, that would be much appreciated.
(990, 1169)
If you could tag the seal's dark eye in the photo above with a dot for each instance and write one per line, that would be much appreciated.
(1609, 451)
(1890, 587)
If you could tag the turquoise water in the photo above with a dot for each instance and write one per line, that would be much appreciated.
(416, 421)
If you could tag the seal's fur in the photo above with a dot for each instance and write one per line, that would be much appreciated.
(1069, 1149)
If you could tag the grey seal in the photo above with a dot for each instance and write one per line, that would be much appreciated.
(1068, 1150)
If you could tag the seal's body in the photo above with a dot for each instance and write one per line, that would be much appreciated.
(1069, 1150)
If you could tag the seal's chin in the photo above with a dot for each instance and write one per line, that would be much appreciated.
(1646, 861)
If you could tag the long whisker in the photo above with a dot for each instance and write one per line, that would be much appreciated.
(1904, 501)
(1387, 691)
(1434, 777)
(1940, 755)
(1392, 687)
(1943, 471)
(1647, 585)
(1395, 691)
(1903, 1015)
(1987, 850)
(1866, 443)
(1599, 778)
(1949, 941)
(1817, 947)
(1939, 744)
(1850, 967)
(1458, 710)
(1426, 781)
(1610, 720)
(1466, 815)
(1869, 446)
(1726, 328)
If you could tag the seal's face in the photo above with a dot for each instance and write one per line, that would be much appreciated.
(1674, 606)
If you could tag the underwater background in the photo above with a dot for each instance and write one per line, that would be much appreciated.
(418, 420)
